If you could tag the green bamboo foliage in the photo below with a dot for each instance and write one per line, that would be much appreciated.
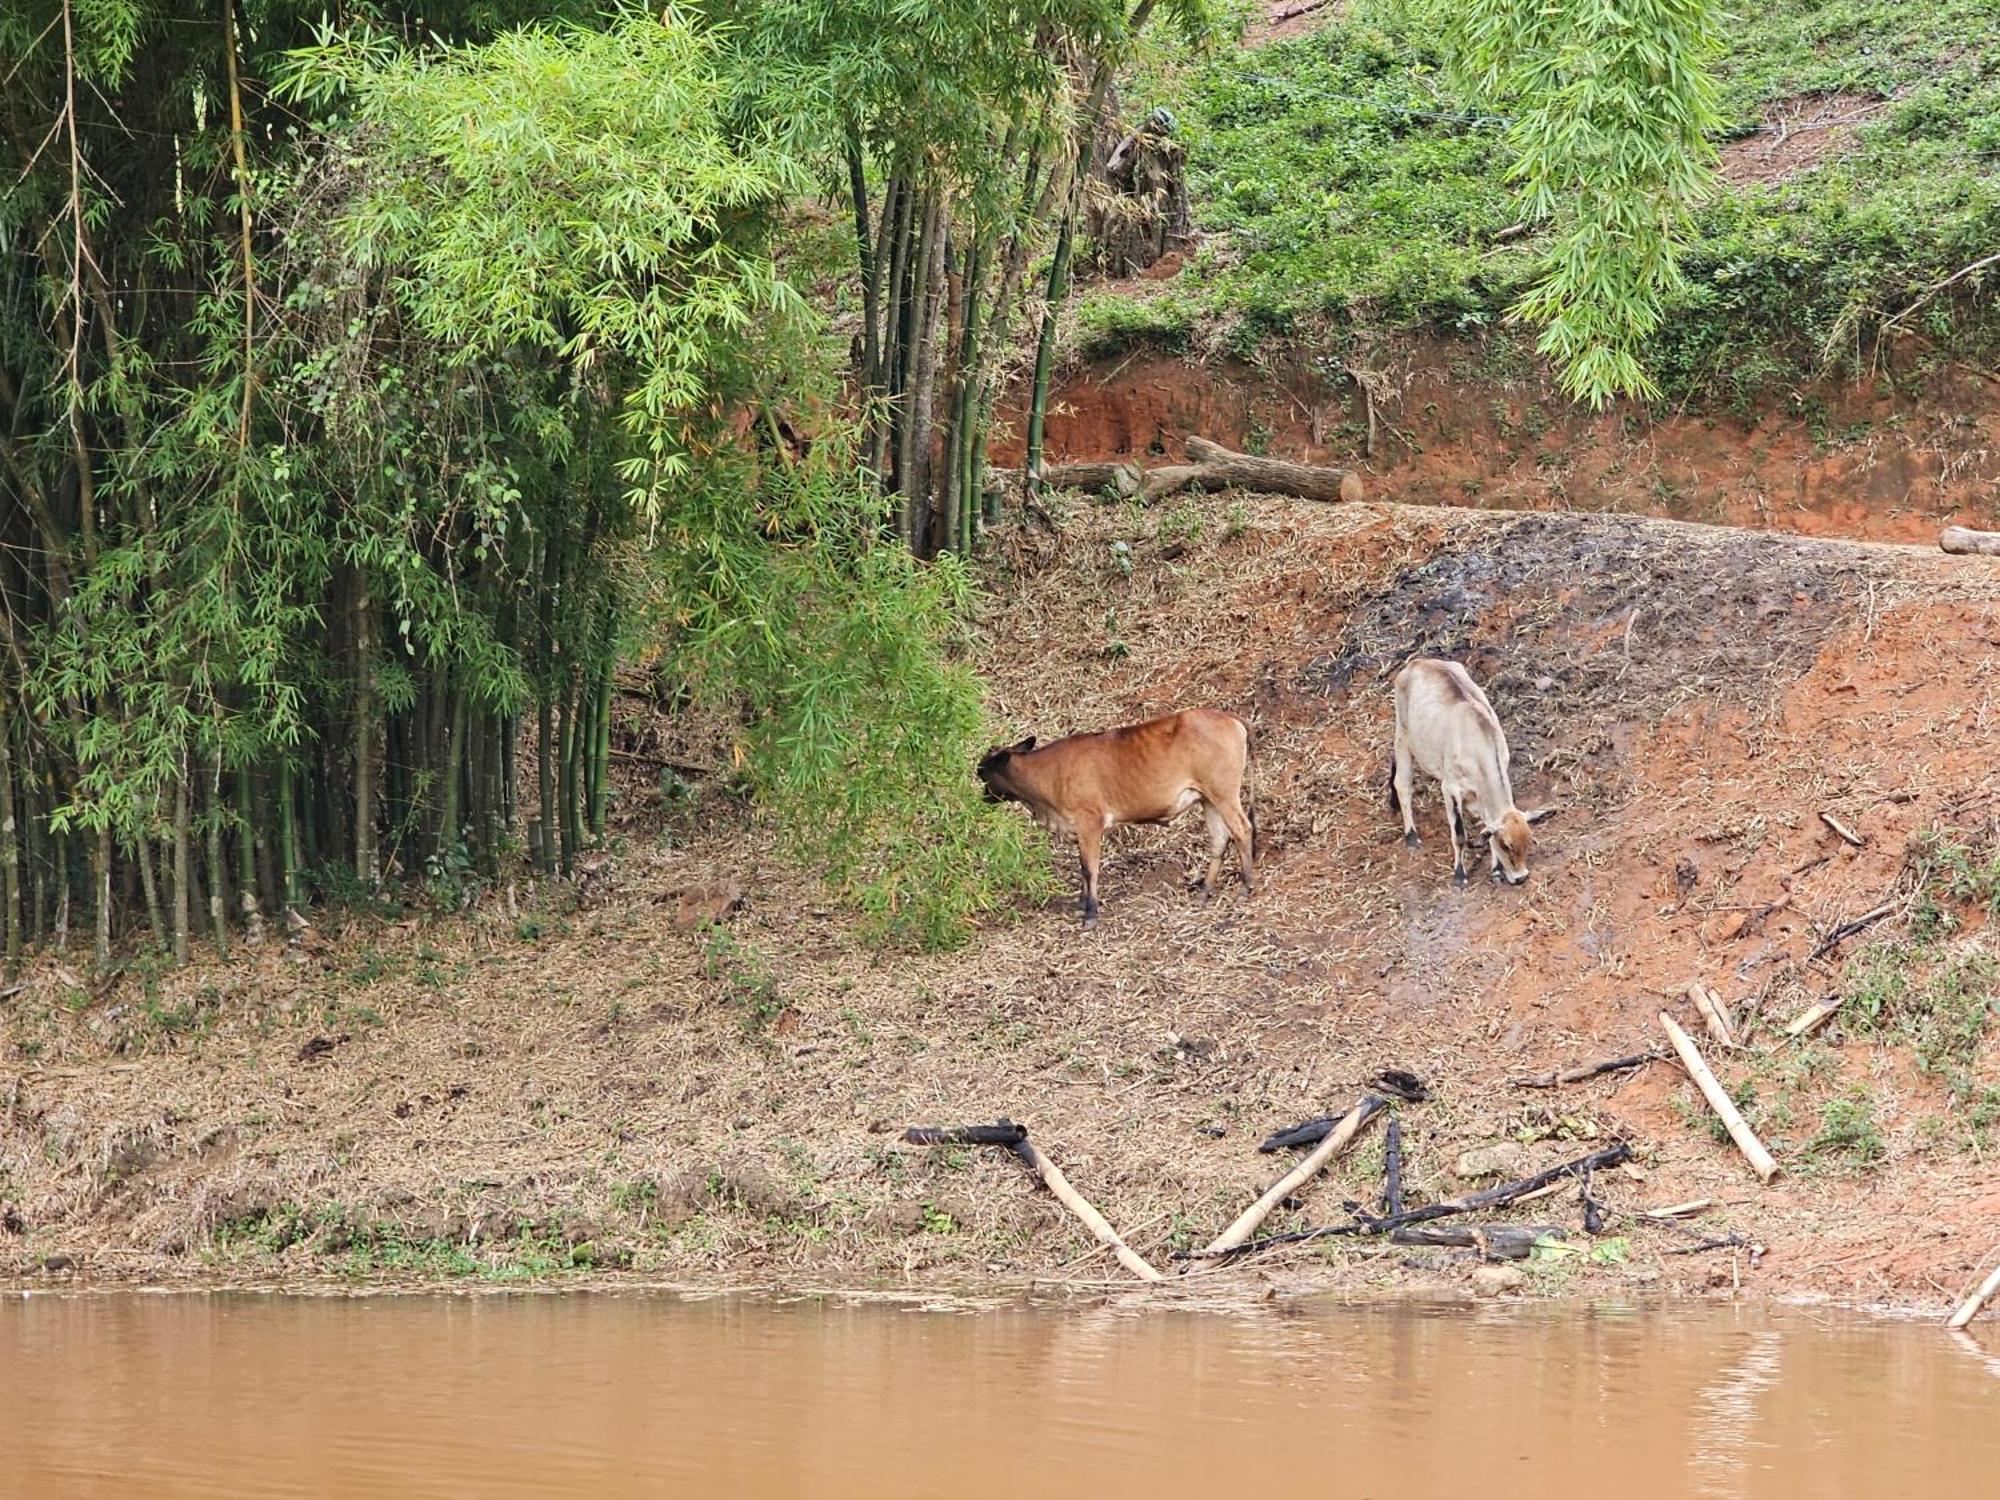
(337, 472)
(1613, 104)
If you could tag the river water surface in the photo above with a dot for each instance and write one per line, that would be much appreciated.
(614, 1395)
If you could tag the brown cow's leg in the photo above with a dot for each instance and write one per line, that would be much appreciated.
(1089, 843)
(1245, 834)
(1218, 840)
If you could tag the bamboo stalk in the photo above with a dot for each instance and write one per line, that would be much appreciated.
(367, 862)
(1709, 1005)
(218, 911)
(288, 838)
(10, 844)
(1336, 1141)
(1725, 1108)
(1077, 1204)
(100, 883)
(246, 860)
(1970, 1307)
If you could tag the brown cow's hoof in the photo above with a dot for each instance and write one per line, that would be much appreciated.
(1460, 879)
(1202, 889)
(1411, 841)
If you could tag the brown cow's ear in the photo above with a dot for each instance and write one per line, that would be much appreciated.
(1537, 814)
(1024, 747)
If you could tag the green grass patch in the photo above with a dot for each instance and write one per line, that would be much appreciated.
(1345, 184)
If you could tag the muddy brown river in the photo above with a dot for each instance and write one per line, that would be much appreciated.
(611, 1395)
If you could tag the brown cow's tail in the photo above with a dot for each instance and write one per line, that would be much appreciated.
(1395, 802)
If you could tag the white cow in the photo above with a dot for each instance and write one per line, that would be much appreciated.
(1445, 726)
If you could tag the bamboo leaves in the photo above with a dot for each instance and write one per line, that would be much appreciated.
(1613, 103)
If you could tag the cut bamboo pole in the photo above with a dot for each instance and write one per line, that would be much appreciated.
(1713, 1016)
(1336, 1141)
(1077, 1204)
(1761, 1161)
(1847, 835)
(1813, 1015)
(1969, 1309)
(1680, 1210)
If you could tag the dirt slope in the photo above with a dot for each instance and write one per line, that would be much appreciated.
(1481, 424)
(599, 1085)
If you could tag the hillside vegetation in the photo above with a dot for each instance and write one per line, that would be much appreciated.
(1342, 188)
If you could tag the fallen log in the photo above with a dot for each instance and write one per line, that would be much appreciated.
(1492, 1241)
(1336, 1141)
(1590, 1070)
(1969, 1308)
(1392, 1167)
(1275, 475)
(1761, 1161)
(1076, 1203)
(1498, 1196)
(1964, 539)
(1209, 465)
(1001, 1133)
(1122, 479)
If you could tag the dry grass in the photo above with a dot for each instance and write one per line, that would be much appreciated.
(578, 1080)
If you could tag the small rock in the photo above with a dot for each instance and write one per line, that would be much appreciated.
(1492, 1281)
(1502, 1159)
(708, 905)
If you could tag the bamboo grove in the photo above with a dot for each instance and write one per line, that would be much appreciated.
(367, 393)
(373, 383)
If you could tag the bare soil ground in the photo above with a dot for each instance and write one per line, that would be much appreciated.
(587, 1079)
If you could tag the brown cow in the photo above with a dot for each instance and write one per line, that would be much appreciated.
(1144, 773)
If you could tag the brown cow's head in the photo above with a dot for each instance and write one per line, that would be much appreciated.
(1509, 840)
(993, 771)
